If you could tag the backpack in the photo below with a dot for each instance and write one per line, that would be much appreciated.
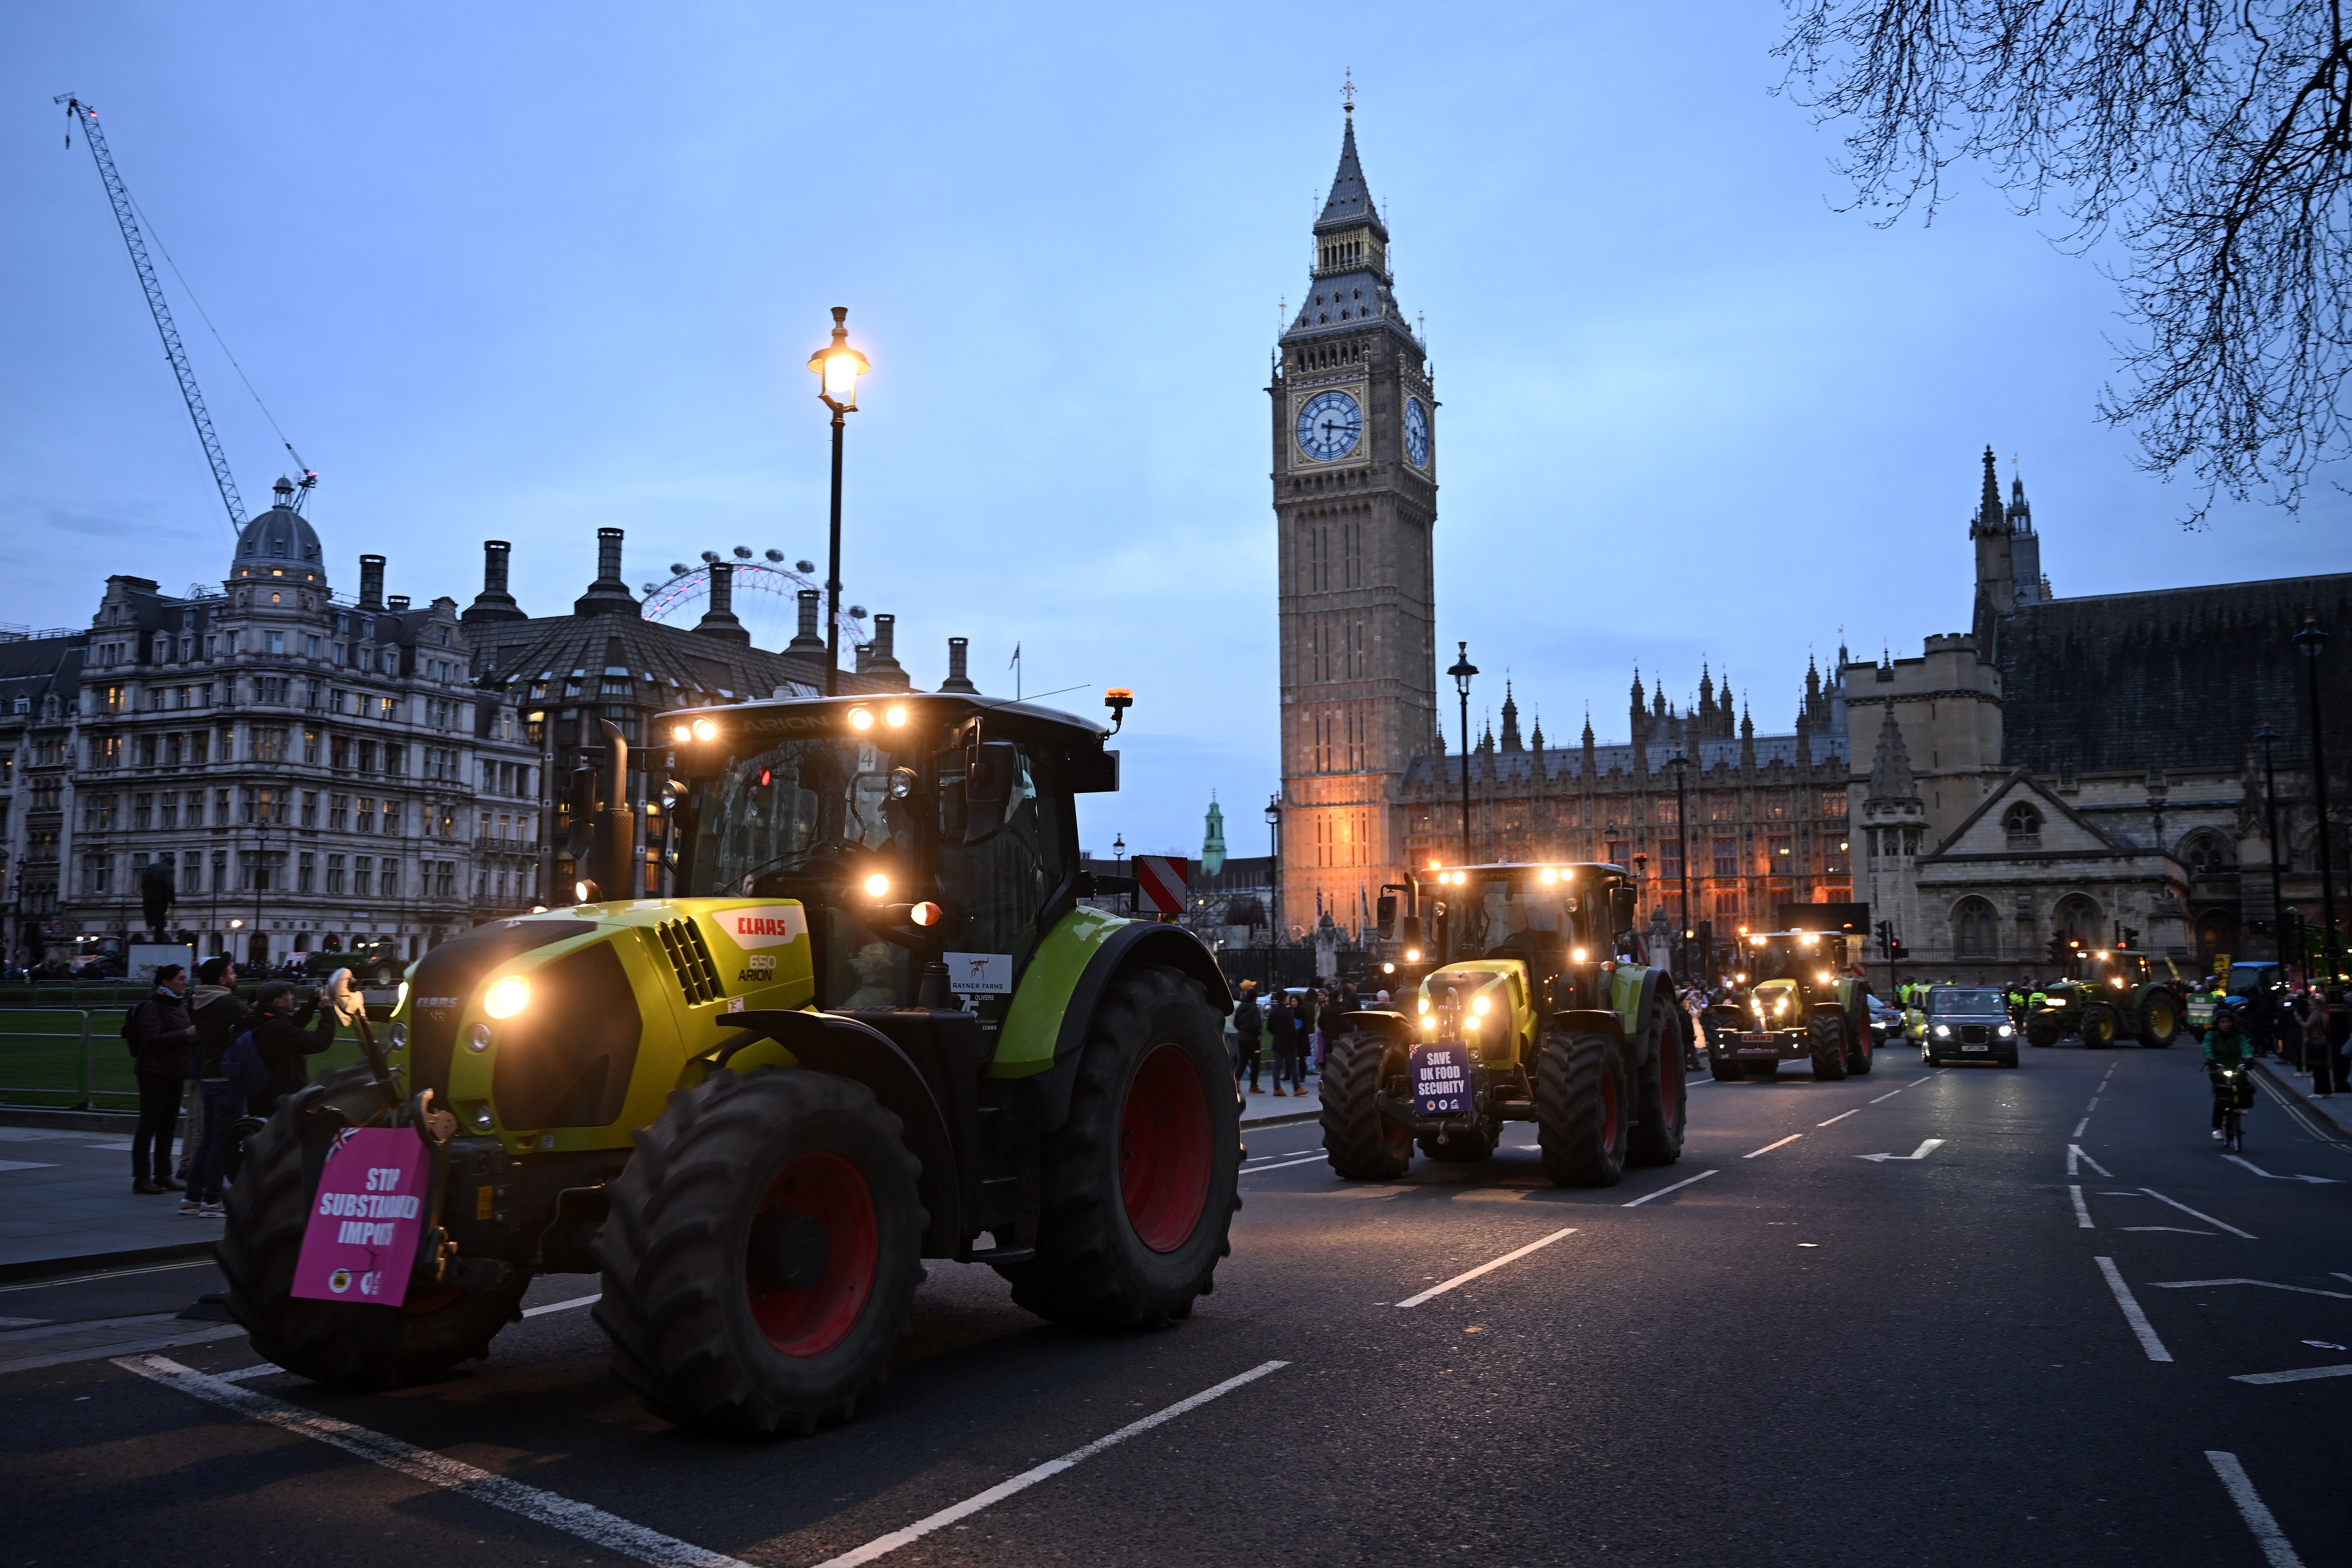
(132, 1033)
(243, 1065)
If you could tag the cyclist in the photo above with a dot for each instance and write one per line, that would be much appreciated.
(2228, 1052)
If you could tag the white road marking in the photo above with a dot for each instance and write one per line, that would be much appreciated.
(247, 1373)
(2082, 1213)
(2140, 1326)
(563, 1306)
(1484, 1269)
(1307, 1159)
(2078, 1127)
(1889, 1096)
(2300, 1375)
(2075, 1153)
(27, 1165)
(2267, 1534)
(2265, 1284)
(1662, 1191)
(1768, 1148)
(1921, 1152)
(1841, 1116)
(2175, 1229)
(2093, 1106)
(610, 1531)
(2257, 1170)
(2192, 1214)
(881, 1546)
(203, 1262)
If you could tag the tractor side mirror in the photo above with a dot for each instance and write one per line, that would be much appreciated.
(580, 798)
(1622, 902)
(990, 769)
(1385, 913)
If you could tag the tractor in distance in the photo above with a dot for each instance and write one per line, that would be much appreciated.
(1801, 999)
(874, 1025)
(2110, 993)
(1534, 1002)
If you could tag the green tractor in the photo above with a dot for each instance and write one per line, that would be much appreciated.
(372, 961)
(875, 1026)
(1802, 1002)
(1538, 1007)
(2112, 995)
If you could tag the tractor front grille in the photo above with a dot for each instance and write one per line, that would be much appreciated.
(689, 955)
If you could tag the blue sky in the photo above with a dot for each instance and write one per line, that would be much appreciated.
(523, 272)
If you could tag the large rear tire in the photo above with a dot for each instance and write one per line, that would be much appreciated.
(268, 1207)
(2159, 1020)
(1661, 1109)
(2041, 1031)
(1362, 1145)
(762, 1252)
(1724, 1071)
(1142, 1178)
(1858, 1043)
(1826, 1038)
(1580, 1109)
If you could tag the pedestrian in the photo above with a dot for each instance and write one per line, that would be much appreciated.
(2339, 1033)
(219, 1014)
(162, 1047)
(1282, 1024)
(284, 1041)
(2315, 1040)
(1248, 1023)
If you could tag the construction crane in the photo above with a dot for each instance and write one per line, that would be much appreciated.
(126, 215)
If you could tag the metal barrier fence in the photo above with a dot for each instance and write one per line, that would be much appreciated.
(48, 1056)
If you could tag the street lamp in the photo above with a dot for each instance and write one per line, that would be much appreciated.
(2311, 642)
(1462, 672)
(838, 368)
(2269, 738)
(1681, 765)
(1274, 879)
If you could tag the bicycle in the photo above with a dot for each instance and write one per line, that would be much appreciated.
(2233, 1095)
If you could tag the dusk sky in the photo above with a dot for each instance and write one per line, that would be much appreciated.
(525, 272)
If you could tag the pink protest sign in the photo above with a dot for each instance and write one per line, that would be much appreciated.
(362, 1239)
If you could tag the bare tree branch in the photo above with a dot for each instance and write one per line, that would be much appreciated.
(2210, 139)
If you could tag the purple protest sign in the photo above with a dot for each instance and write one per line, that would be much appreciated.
(362, 1239)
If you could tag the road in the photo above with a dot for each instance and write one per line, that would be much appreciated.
(1780, 1350)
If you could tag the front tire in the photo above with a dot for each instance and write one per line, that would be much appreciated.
(1142, 1178)
(1858, 1044)
(351, 1346)
(2159, 1020)
(2042, 1033)
(1362, 1145)
(2098, 1028)
(1579, 1094)
(1661, 1109)
(1825, 1038)
(761, 1255)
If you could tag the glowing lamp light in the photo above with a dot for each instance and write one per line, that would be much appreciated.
(1429, 1022)
(927, 915)
(1412, 955)
(1480, 1005)
(838, 366)
(1549, 877)
(1424, 1004)
(861, 719)
(895, 717)
(877, 885)
(681, 734)
(704, 730)
(1579, 955)
(506, 997)
(1388, 969)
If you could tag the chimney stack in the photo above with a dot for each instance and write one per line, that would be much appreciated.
(809, 638)
(494, 602)
(371, 582)
(608, 596)
(959, 650)
(878, 658)
(718, 620)
(399, 603)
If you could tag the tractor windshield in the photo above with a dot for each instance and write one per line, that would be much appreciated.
(800, 807)
(1505, 920)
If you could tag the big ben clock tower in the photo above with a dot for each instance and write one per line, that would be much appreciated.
(1355, 502)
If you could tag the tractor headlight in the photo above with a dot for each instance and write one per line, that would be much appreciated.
(506, 997)
(681, 734)
(894, 717)
(397, 1035)
(477, 1039)
(1429, 1022)
(704, 730)
(2005, 1031)
(877, 885)
(861, 719)
(1412, 955)
(1480, 1005)
(1579, 955)
(1943, 1031)
(1780, 1003)
(1424, 1004)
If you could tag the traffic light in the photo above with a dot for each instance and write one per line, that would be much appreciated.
(2130, 939)
(1890, 947)
(2058, 950)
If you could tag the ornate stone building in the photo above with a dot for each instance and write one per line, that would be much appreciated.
(1355, 502)
(2081, 767)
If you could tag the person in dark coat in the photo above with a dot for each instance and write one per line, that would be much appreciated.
(164, 1050)
(220, 1016)
(1248, 1025)
(285, 1036)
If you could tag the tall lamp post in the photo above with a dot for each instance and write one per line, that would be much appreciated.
(1274, 882)
(1462, 672)
(1680, 764)
(838, 368)
(2269, 738)
(2312, 642)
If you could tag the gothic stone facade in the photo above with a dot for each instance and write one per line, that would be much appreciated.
(2073, 767)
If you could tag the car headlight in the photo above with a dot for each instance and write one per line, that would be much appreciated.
(506, 997)
(2006, 1031)
(1943, 1031)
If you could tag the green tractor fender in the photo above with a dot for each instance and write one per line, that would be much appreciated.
(1045, 1028)
(847, 1048)
(1632, 991)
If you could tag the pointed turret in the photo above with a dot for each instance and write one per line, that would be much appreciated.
(1212, 839)
(1990, 517)
(1351, 201)
(1890, 771)
(1511, 741)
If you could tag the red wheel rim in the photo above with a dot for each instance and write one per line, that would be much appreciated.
(833, 1192)
(1163, 1149)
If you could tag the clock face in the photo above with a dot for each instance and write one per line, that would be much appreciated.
(1416, 432)
(1329, 426)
